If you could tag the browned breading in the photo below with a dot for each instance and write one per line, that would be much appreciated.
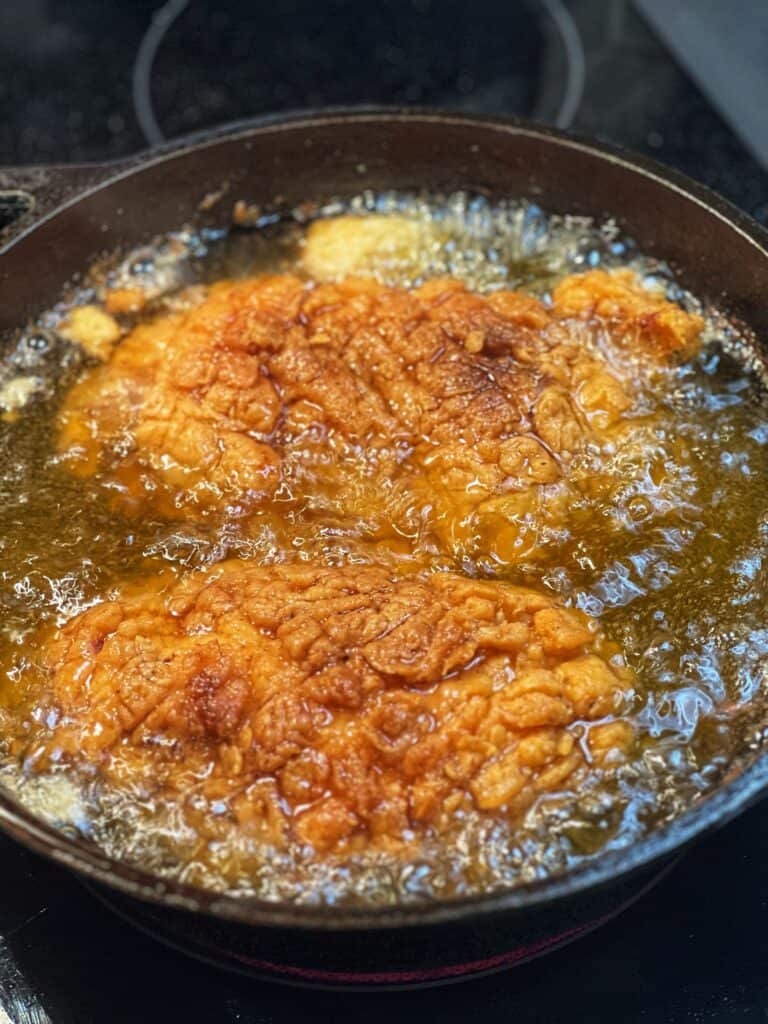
(332, 706)
(449, 397)
(639, 317)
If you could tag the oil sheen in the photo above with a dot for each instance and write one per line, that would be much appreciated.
(673, 560)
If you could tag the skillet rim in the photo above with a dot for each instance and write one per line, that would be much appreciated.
(714, 810)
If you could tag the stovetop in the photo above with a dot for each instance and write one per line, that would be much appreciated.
(93, 80)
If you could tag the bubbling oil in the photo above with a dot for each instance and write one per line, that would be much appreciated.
(673, 560)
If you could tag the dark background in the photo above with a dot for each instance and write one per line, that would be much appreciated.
(68, 70)
(95, 80)
(693, 951)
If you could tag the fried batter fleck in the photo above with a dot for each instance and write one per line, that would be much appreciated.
(94, 330)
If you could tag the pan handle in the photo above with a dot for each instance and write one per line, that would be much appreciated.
(28, 194)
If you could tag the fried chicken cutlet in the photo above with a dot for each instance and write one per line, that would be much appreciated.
(334, 707)
(432, 410)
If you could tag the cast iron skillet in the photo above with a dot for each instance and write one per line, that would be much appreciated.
(79, 213)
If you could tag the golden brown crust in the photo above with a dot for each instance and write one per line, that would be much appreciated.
(332, 706)
(269, 380)
(640, 318)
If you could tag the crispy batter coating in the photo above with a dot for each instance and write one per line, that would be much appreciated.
(639, 316)
(375, 401)
(340, 247)
(338, 707)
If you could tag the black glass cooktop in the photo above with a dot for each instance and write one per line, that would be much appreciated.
(93, 80)
(85, 80)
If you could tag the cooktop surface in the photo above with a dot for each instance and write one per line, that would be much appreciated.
(93, 80)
